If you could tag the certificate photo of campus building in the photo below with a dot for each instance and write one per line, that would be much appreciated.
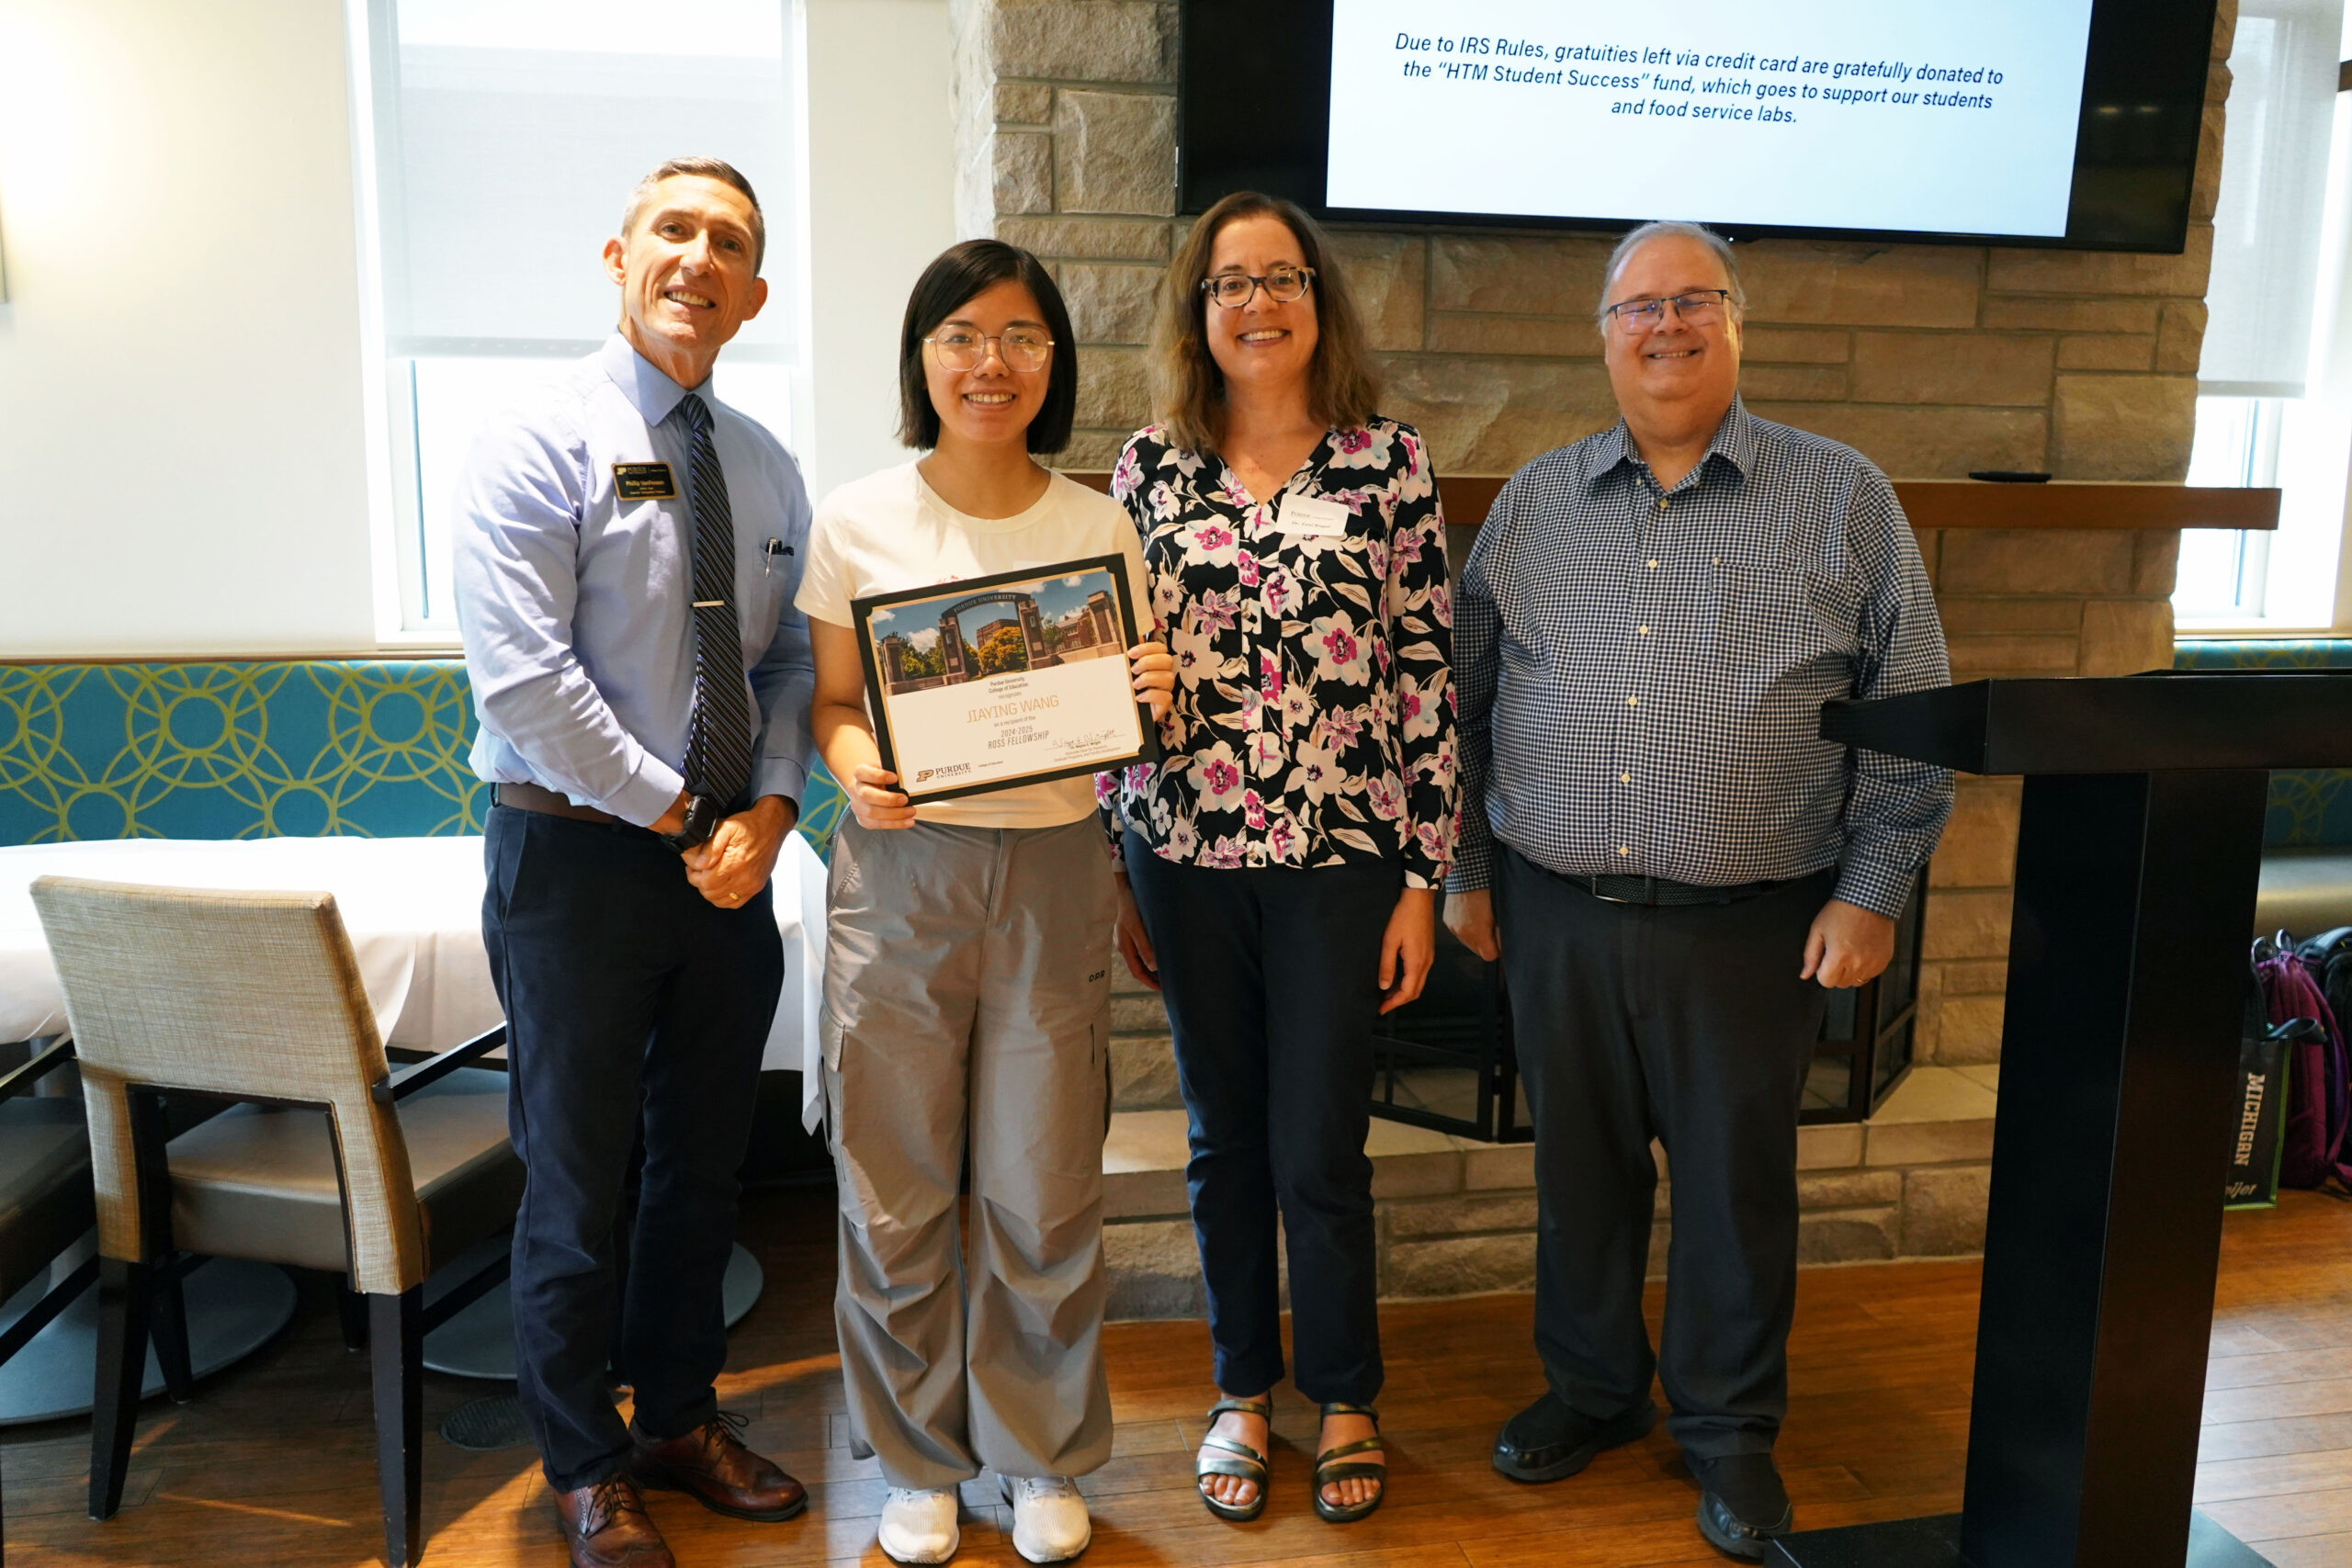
(998, 681)
(968, 633)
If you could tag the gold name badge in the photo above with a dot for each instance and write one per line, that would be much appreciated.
(644, 481)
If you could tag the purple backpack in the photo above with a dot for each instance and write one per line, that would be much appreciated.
(2319, 1098)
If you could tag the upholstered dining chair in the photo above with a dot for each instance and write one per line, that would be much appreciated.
(44, 1200)
(331, 1161)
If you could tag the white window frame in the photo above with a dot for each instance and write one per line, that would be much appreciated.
(2304, 445)
(396, 534)
(2244, 452)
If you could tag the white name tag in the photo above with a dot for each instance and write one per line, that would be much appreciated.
(1305, 514)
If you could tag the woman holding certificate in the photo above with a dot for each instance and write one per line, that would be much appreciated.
(967, 996)
(1280, 866)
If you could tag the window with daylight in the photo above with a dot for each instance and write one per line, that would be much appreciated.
(498, 143)
(2275, 380)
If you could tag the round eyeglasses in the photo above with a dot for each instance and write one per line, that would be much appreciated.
(1701, 307)
(1235, 290)
(1023, 348)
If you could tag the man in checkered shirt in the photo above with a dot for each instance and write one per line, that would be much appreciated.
(1672, 863)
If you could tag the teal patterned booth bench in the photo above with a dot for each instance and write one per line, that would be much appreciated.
(2310, 807)
(249, 749)
(377, 748)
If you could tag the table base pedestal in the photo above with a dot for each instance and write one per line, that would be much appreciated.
(233, 1308)
(480, 1341)
(1934, 1542)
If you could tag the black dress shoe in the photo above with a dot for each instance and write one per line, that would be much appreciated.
(1548, 1441)
(1743, 1507)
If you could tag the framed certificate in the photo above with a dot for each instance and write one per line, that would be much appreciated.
(995, 681)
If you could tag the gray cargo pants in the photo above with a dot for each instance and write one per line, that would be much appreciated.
(967, 1011)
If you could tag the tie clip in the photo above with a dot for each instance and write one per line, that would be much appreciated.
(710, 603)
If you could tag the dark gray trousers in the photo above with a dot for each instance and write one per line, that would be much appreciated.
(1689, 1025)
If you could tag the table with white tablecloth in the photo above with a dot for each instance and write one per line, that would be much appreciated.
(413, 908)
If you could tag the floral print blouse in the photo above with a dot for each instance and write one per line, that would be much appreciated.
(1314, 715)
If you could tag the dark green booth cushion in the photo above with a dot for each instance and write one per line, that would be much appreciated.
(2309, 807)
(252, 748)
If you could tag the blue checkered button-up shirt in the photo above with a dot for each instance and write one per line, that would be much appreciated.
(1641, 672)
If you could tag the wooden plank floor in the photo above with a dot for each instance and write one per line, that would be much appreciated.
(272, 1463)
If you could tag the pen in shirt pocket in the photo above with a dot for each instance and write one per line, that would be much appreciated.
(768, 552)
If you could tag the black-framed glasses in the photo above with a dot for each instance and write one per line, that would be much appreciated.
(1701, 307)
(1235, 290)
(1022, 348)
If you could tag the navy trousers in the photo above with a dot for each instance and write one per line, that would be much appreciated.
(1270, 977)
(1687, 1024)
(633, 1007)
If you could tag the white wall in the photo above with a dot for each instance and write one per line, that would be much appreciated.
(182, 466)
(881, 204)
(183, 447)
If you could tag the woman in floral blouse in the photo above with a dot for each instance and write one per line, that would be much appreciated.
(1280, 866)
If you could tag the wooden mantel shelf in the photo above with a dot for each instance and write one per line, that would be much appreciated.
(1973, 503)
(1970, 504)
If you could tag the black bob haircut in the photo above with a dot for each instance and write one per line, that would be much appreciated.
(957, 273)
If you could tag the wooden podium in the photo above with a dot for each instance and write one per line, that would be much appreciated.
(2137, 859)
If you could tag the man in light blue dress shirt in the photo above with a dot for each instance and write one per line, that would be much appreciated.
(626, 552)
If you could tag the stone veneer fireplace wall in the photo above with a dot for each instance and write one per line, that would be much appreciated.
(1932, 360)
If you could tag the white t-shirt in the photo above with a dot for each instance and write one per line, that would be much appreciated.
(890, 531)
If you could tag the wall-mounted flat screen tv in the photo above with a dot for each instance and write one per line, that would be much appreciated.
(2037, 122)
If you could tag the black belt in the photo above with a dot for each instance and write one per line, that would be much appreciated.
(1658, 890)
(531, 797)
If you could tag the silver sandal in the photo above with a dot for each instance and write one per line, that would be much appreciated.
(1238, 1460)
(1331, 1465)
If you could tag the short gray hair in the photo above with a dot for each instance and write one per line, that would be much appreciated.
(718, 169)
(1659, 230)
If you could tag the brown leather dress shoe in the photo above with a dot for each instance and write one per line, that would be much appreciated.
(711, 1465)
(605, 1525)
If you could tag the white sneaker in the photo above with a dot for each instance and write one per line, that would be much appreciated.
(918, 1526)
(1050, 1522)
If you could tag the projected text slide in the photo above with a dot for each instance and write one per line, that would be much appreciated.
(1842, 114)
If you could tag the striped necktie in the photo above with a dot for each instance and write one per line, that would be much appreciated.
(718, 731)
